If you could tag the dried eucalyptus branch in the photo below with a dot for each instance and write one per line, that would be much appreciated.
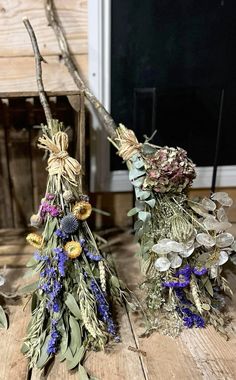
(54, 22)
(38, 60)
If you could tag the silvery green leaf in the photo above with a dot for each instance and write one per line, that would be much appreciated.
(198, 209)
(162, 264)
(3, 318)
(162, 247)
(221, 215)
(77, 358)
(138, 181)
(2, 280)
(175, 260)
(223, 198)
(148, 149)
(151, 202)
(138, 224)
(142, 194)
(233, 246)
(44, 356)
(212, 224)
(187, 251)
(233, 258)
(136, 173)
(132, 212)
(205, 239)
(223, 258)
(208, 204)
(82, 373)
(144, 216)
(48, 232)
(137, 161)
(72, 305)
(224, 240)
(75, 335)
(208, 286)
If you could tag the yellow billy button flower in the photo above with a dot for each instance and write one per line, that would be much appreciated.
(73, 249)
(82, 210)
(35, 240)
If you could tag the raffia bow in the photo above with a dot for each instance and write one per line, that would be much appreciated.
(60, 164)
(128, 144)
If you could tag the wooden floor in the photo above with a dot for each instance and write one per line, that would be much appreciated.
(196, 354)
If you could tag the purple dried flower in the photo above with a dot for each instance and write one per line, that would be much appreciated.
(103, 309)
(200, 272)
(92, 256)
(50, 197)
(61, 234)
(54, 338)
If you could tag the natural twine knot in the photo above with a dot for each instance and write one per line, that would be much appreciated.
(128, 144)
(59, 162)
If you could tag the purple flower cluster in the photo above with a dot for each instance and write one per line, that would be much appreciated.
(61, 234)
(40, 257)
(185, 274)
(50, 196)
(92, 256)
(182, 297)
(191, 319)
(47, 208)
(103, 310)
(61, 257)
(54, 337)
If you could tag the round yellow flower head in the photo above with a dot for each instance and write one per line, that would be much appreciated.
(82, 210)
(35, 240)
(73, 249)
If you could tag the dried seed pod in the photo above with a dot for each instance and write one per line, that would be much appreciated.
(36, 220)
(68, 196)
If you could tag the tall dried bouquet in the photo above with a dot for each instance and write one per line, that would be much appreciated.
(74, 298)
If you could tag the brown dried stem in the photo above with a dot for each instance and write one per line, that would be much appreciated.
(54, 22)
(38, 60)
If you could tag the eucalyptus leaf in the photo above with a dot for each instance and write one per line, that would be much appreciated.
(68, 355)
(137, 161)
(82, 373)
(137, 182)
(142, 194)
(44, 356)
(64, 343)
(72, 305)
(3, 318)
(29, 288)
(75, 335)
(24, 348)
(132, 212)
(208, 287)
(138, 224)
(144, 216)
(136, 173)
(151, 202)
(148, 149)
(77, 358)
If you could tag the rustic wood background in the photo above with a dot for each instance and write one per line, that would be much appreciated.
(17, 72)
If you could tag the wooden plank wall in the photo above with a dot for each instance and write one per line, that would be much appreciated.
(17, 72)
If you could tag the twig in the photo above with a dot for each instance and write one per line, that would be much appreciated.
(38, 60)
(101, 112)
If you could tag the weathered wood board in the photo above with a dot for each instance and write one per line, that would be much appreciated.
(197, 354)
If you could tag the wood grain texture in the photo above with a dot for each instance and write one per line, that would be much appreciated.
(17, 76)
(14, 40)
(13, 365)
(197, 354)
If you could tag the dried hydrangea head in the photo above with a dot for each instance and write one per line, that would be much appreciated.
(82, 210)
(169, 169)
(73, 249)
(69, 224)
(35, 240)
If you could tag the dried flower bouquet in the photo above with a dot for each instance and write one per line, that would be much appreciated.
(183, 244)
(73, 301)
